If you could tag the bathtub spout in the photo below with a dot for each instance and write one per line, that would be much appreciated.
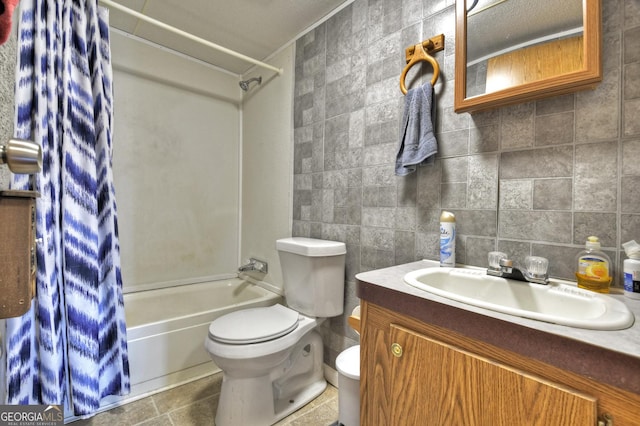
(255, 265)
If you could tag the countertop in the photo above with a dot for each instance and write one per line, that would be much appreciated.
(612, 357)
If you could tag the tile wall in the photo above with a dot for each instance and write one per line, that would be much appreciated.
(536, 178)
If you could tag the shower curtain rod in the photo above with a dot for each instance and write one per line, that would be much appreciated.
(190, 36)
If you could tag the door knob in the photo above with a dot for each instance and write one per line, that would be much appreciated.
(396, 350)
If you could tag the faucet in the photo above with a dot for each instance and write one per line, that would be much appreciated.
(255, 265)
(535, 272)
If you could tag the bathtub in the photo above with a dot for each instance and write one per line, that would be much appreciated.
(166, 329)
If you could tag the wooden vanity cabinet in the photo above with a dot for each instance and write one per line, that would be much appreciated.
(414, 373)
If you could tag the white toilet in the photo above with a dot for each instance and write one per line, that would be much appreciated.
(271, 357)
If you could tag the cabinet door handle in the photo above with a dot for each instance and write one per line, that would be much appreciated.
(396, 350)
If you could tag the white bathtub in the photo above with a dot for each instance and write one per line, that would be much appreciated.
(166, 329)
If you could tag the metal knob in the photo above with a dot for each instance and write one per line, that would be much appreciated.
(21, 156)
(396, 350)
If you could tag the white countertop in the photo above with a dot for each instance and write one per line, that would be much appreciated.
(625, 341)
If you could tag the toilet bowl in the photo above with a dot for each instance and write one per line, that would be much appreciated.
(266, 381)
(271, 357)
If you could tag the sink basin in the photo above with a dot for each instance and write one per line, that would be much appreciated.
(555, 303)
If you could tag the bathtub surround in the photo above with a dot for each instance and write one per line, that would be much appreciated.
(74, 351)
(175, 166)
(531, 179)
(267, 163)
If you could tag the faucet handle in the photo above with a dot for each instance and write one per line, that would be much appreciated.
(494, 259)
(536, 265)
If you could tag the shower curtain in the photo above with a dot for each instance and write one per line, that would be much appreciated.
(71, 347)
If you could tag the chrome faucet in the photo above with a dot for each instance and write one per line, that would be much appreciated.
(535, 272)
(255, 265)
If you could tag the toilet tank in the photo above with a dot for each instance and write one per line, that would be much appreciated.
(313, 275)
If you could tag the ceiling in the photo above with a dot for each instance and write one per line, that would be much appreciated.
(255, 28)
(259, 28)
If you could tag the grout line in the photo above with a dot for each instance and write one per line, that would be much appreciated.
(155, 406)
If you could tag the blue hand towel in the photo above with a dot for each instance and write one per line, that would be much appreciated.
(418, 143)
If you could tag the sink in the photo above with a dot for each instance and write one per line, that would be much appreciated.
(555, 302)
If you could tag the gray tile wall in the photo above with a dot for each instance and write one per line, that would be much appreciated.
(536, 178)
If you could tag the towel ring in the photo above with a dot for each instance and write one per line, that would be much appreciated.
(419, 55)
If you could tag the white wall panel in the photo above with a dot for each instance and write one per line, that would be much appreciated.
(176, 159)
(267, 163)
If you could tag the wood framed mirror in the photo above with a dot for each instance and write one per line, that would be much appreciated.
(512, 51)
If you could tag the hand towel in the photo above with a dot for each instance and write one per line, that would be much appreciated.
(6, 12)
(418, 143)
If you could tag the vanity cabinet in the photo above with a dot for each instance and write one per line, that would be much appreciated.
(416, 373)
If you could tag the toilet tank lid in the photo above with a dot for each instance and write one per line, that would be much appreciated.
(310, 246)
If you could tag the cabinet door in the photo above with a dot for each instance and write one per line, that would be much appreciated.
(433, 383)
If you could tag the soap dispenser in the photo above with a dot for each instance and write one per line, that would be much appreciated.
(594, 267)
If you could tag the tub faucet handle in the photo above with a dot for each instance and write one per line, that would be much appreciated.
(255, 265)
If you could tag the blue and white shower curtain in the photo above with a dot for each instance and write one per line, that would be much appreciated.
(71, 347)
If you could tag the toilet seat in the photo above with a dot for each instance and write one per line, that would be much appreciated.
(254, 325)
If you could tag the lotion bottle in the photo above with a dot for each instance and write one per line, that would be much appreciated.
(594, 267)
(447, 239)
(631, 268)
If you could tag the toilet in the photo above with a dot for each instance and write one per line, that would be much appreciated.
(271, 357)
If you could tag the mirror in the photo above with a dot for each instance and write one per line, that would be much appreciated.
(511, 51)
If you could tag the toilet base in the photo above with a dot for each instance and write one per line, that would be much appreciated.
(264, 400)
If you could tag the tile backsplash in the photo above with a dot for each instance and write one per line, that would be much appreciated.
(534, 178)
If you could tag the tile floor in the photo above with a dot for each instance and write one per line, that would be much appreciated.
(195, 403)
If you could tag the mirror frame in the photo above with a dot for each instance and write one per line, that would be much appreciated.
(587, 78)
